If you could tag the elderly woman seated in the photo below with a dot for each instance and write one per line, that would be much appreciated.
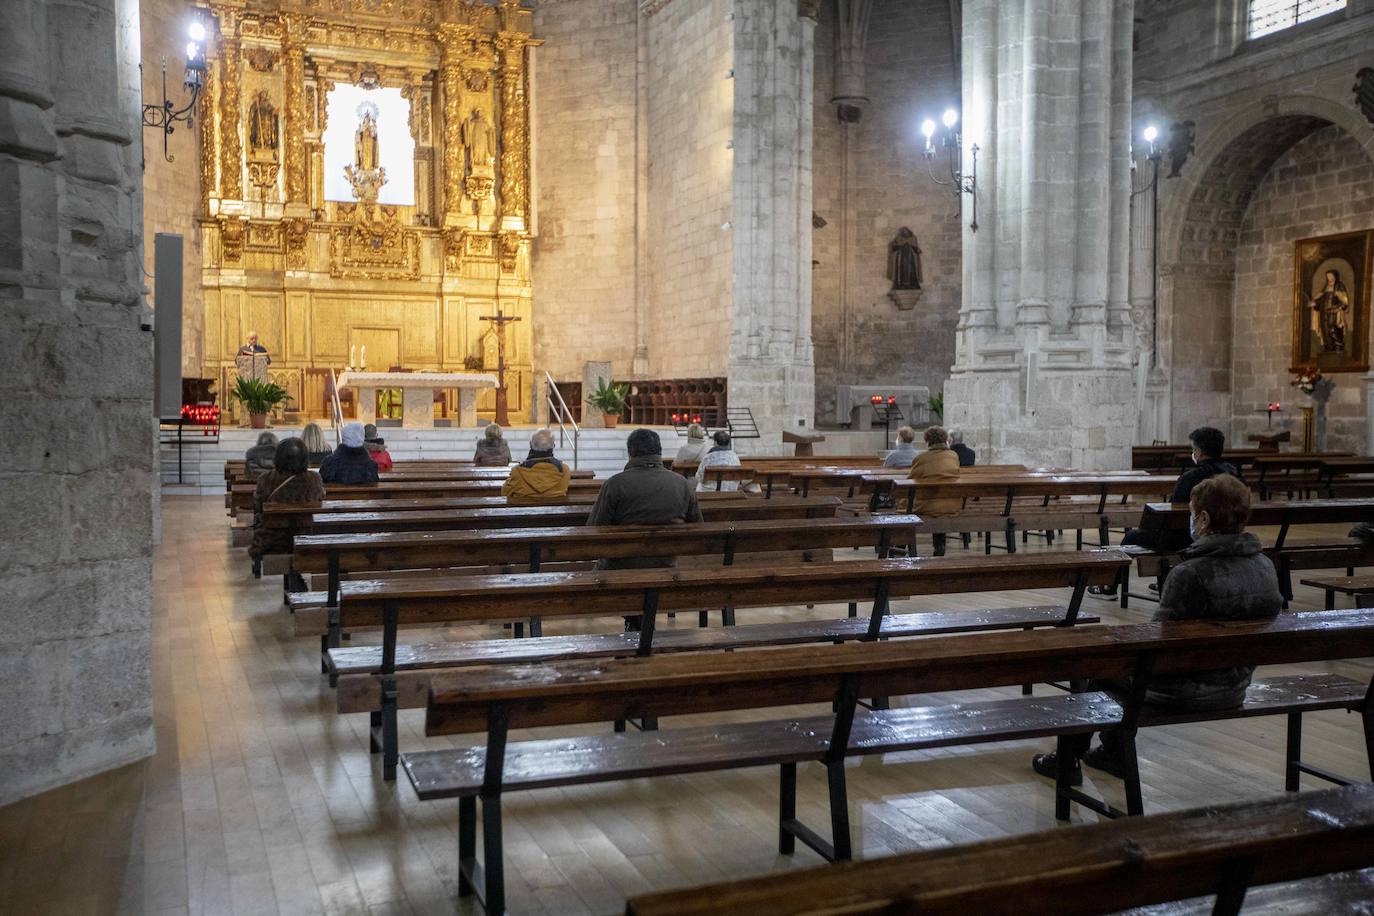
(291, 482)
(258, 458)
(1224, 576)
(937, 464)
(492, 450)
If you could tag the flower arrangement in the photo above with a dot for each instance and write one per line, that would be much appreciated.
(1307, 378)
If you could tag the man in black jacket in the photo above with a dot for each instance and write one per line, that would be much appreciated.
(350, 463)
(1208, 444)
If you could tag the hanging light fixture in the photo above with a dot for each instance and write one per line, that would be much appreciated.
(166, 115)
(952, 144)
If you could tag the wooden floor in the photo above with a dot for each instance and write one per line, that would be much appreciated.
(262, 800)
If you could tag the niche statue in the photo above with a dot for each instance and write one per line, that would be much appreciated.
(904, 269)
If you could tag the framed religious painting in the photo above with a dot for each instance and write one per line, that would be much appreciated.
(1331, 279)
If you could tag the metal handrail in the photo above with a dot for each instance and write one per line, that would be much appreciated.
(560, 412)
(336, 413)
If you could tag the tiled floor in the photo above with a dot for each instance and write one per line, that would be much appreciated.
(261, 799)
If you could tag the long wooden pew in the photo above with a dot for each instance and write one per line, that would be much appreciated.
(1222, 853)
(242, 495)
(1333, 552)
(733, 507)
(495, 699)
(382, 679)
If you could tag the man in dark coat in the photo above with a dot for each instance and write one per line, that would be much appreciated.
(1208, 444)
(350, 463)
(645, 493)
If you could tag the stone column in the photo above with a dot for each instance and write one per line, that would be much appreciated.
(771, 184)
(230, 146)
(451, 41)
(515, 134)
(1045, 341)
(293, 133)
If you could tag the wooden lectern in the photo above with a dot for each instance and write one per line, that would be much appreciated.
(252, 366)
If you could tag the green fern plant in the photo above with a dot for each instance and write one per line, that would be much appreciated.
(937, 404)
(609, 398)
(258, 396)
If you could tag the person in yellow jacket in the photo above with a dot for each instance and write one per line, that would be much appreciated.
(540, 478)
(937, 464)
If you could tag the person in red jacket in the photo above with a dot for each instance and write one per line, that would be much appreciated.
(376, 448)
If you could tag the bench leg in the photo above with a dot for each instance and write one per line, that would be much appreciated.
(518, 629)
(1135, 803)
(374, 728)
(702, 619)
(839, 811)
(787, 808)
(493, 867)
(1066, 753)
(853, 609)
(390, 739)
(467, 844)
(1330, 599)
(1125, 585)
(1294, 753)
(536, 626)
(727, 617)
(987, 543)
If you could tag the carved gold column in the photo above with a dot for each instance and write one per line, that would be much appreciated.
(208, 179)
(230, 148)
(293, 78)
(451, 41)
(514, 127)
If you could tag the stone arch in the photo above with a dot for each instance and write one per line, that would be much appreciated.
(1201, 216)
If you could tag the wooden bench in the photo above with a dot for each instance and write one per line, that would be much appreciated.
(382, 679)
(1323, 553)
(400, 489)
(1220, 852)
(1349, 474)
(1078, 502)
(498, 698)
(1361, 587)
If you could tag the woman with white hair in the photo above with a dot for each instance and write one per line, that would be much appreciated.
(492, 450)
(350, 463)
(691, 451)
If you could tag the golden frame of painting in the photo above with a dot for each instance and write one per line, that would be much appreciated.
(1331, 279)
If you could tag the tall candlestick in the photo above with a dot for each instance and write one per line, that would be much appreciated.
(364, 356)
(352, 352)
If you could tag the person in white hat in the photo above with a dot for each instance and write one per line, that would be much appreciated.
(350, 463)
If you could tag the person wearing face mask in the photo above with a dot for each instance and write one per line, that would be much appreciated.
(1224, 575)
(1208, 444)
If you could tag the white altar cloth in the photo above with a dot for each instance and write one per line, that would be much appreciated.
(417, 390)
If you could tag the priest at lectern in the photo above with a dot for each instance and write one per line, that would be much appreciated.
(252, 359)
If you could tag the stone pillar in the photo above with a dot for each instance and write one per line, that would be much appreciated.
(293, 133)
(1043, 370)
(770, 369)
(76, 556)
(230, 146)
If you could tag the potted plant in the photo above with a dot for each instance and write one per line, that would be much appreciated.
(258, 398)
(609, 398)
(937, 404)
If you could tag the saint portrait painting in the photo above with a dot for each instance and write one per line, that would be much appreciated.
(1331, 302)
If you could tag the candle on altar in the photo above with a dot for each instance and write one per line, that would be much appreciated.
(352, 352)
(364, 362)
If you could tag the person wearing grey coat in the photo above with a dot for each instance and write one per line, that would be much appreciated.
(258, 459)
(1224, 575)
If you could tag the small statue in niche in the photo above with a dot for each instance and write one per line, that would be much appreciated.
(262, 127)
(904, 260)
(480, 142)
(365, 175)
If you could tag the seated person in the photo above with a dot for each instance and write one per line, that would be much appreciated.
(721, 455)
(645, 493)
(690, 452)
(541, 477)
(492, 450)
(376, 448)
(1208, 444)
(350, 463)
(291, 482)
(1224, 576)
(259, 457)
(967, 456)
(905, 452)
(315, 443)
(937, 464)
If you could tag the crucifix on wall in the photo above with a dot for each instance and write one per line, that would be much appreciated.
(499, 322)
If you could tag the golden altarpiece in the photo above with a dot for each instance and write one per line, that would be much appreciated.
(323, 281)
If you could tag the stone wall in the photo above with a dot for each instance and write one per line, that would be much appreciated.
(870, 180)
(75, 554)
(1323, 185)
(585, 167)
(690, 104)
(171, 189)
